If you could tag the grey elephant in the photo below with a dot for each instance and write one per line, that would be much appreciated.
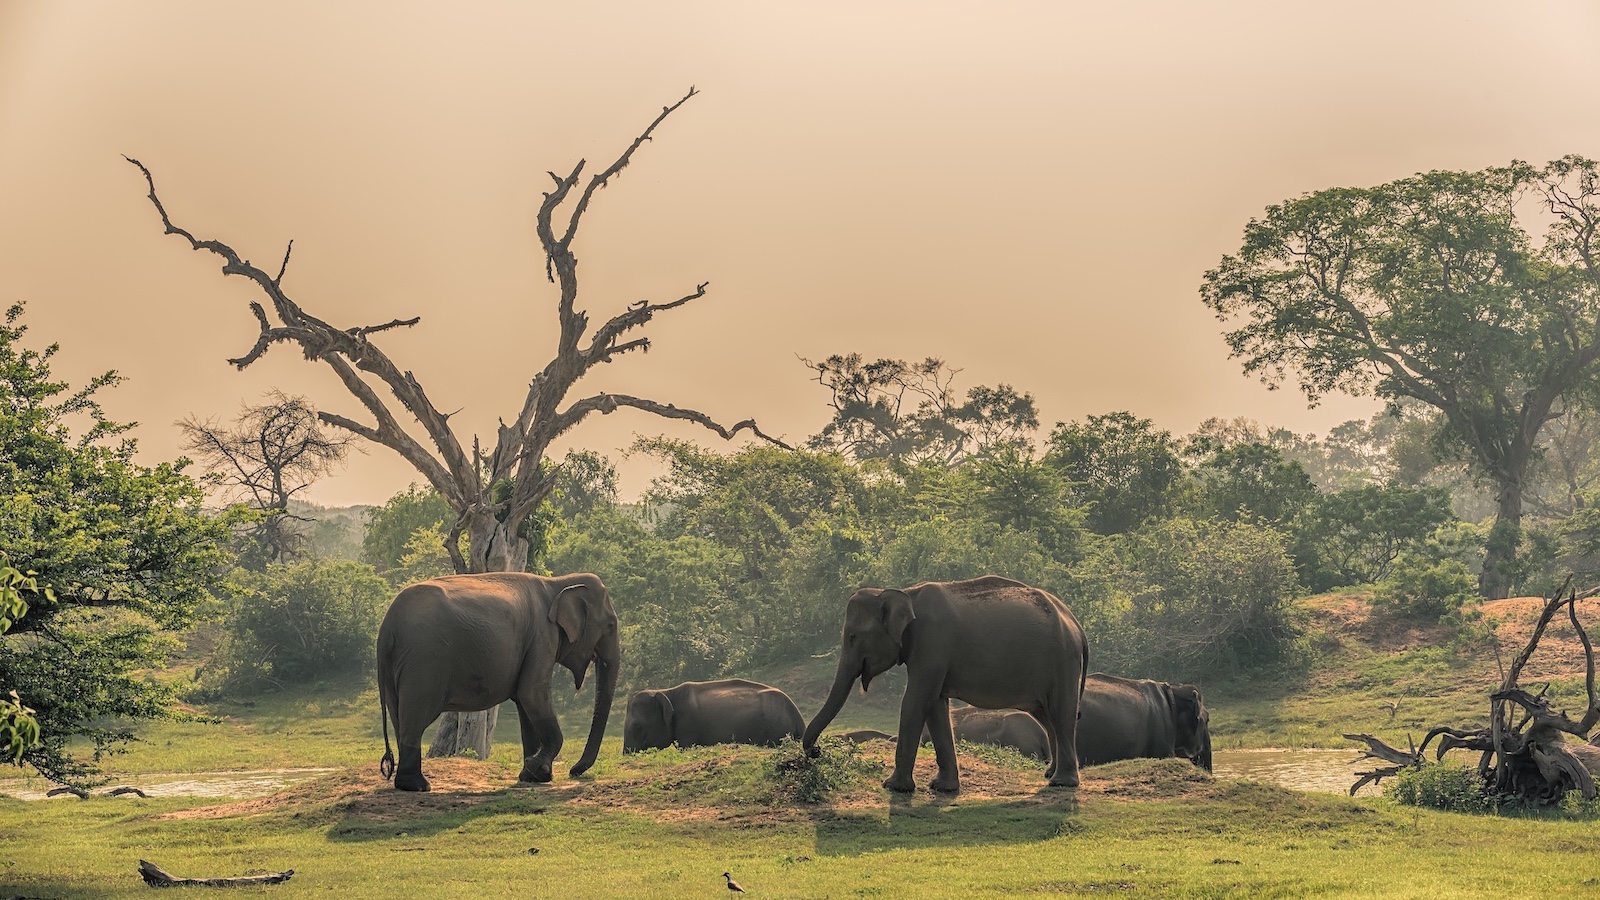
(1133, 718)
(702, 713)
(1004, 728)
(469, 642)
(990, 641)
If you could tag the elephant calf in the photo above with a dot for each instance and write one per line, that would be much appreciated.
(1002, 728)
(701, 713)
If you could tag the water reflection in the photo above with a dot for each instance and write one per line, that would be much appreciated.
(1329, 771)
(204, 784)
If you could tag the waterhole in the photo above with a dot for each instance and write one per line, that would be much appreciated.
(241, 785)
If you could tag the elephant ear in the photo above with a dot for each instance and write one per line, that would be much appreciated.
(569, 612)
(668, 714)
(897, 613)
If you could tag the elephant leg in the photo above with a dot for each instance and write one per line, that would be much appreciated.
(1063, 731)
(1051, 753)
(416, 706)
(541, 739)
(913, 714)
(944, 747)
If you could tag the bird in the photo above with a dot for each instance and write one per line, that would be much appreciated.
(732, 885)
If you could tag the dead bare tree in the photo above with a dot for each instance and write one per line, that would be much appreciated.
(1529, 758)
(493, 492)
(267, 455)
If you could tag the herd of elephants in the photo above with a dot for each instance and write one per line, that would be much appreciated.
(1016, 654)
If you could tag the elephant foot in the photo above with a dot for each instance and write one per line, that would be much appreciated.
(900, 784)
(537, 770)
(1064, 781)
(408, 781)
(943, 785)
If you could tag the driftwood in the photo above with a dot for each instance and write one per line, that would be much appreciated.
(118, 792)
(80, 793)
(155, 877)
(1526, 756)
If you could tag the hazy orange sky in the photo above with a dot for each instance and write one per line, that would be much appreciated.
(1030, 191)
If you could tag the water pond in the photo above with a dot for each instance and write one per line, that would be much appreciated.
(1328, 771)
(203, 784)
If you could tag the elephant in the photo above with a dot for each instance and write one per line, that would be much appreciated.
(990, 641)
(862, 735)
(469, 642)
(1121, 718)
(1132, 718)
(1003, 728)
(701, 713)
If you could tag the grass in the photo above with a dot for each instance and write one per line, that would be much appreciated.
(669, 823)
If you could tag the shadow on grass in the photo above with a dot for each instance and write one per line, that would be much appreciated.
(922, 821)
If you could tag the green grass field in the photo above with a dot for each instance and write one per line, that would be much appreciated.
(668, 824)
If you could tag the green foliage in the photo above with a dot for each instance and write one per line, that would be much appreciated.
(1441, 787)
(1354, 536)
(392, 530)
(1427, 588)
(294, 624)
(127, 549)
(19, 730)
(1194, 598)
(1251, 481)
(890, 409)
(1431, 288)
(1121, 468)
(838, 768)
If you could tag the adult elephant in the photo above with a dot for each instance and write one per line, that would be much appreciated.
(469, 642)
(990, 641)
(701, 713)
(1133, 718)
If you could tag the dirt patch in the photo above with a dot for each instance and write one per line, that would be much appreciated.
(457, 783)
(1351, 615)
(1560, 653)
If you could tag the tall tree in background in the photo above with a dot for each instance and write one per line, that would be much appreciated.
(491, 493)
(1121, 466)
(1432, 288)
(892, 409)
(267, 455)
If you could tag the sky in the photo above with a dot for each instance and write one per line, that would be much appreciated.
(1030, 191)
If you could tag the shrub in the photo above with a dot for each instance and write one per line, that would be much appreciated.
(1447, 788)
(1424, 588)
(837, 769)
(293, 624)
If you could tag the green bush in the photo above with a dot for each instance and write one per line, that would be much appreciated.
(1426, 588)
(294, 624)
(839, 768)
(1448, 788)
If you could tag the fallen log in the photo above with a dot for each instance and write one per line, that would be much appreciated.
(80, 793)
(126, 789)
(155, 877)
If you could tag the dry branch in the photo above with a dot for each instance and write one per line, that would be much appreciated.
(155, 877)
(1529, 759)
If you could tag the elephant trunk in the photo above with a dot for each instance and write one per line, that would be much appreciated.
(842, 682)
(606, 662)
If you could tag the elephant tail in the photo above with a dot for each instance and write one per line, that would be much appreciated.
(385, 765)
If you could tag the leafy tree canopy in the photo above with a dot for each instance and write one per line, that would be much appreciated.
(1122, 467)
(1434, 288)
(126, 549)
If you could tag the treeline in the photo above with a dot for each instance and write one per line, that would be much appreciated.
(1181, 554)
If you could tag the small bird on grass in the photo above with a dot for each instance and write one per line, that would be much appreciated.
(733, 885)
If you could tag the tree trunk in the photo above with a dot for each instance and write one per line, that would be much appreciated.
(491, 547)
(1500, 553)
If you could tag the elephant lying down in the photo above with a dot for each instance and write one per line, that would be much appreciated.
(701, 713)
(1122, 718)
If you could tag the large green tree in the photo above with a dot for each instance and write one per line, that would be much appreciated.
(127, 550)
(1432, 287)
(1122, 467)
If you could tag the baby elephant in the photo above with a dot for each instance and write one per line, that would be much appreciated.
(701, 713)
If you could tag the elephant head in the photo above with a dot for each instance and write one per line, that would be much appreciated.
(589, 634)
(648, 724)
(1193, 724)
(872, 642)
